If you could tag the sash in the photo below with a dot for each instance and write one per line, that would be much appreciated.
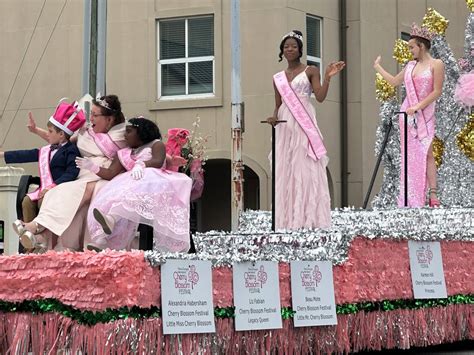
(44, 171)
(125, 157)
(105, 143)
(412, 99)
(316, 147)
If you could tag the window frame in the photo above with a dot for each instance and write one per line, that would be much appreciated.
(311, 58)
(186, 60)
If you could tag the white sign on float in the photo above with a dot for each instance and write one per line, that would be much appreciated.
(256, 295)
(312, 293)
(426, 266)
(186, 297)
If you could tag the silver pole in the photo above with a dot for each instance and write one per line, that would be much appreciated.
(101, 46)
(237, 118)
(86, 47)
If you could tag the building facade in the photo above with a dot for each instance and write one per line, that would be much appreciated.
(171, 61)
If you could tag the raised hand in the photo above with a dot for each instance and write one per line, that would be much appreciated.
(377, 61)
(31, 123)
(334, 67)
(87, 164)
(138, 170)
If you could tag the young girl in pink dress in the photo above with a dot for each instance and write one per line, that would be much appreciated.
(302, 193)
(423, 78)
(145, 193)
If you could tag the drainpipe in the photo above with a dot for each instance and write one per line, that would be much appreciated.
(343, 117)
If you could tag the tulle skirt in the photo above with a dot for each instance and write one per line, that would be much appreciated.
(161, 199)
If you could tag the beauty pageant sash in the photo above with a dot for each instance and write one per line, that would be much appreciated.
(413, 100)
(316, 147)
(44, 171)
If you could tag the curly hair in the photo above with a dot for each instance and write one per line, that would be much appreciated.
(298, 41)
(112, 107)
(147, 130)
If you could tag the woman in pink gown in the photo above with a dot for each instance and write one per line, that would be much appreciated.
(145, 193)
(423, 79)
(64, 208)
(302, 193)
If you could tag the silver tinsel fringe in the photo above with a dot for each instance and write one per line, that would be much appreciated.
(256, 241)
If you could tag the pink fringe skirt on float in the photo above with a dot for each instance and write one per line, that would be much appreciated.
(97, 281)
(377, 330)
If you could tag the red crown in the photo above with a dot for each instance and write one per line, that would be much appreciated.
(421, 32)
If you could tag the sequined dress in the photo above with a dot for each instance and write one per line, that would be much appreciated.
(302, 194)
(160, 199)
(417, 150)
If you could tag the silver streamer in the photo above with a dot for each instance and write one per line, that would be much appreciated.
(387, 197)
(255, 240)
(469, 43)
(456, 173)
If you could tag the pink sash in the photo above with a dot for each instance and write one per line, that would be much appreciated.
(125, 157)
(412, 99)
(316, 147)
(44, 172)
(105, 143)
(127, 161)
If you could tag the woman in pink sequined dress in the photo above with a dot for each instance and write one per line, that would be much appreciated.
(145, 193)
(302, 194)
(423, 78)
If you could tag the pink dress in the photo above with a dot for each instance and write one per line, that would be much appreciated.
(302, 193)
(160, 199)
(417, 150)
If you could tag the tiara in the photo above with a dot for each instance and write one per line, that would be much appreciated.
(133, 124)
(293, 34)
(100, 100)
(422, 32)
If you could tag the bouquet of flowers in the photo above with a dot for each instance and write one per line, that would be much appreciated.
(191, 147)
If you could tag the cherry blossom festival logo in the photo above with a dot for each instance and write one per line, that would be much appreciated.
(255, 279)
(424, 256)
(311, 277)
(185, 279)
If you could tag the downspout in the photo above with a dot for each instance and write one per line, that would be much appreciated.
(343, 117)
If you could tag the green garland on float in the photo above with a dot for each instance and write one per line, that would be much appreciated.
(109, 315)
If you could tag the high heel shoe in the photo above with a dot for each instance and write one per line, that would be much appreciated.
(18, 227)
(433, 201)
(30, 240)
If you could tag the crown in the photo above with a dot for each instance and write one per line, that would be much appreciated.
(421, 32)
(100, 100)
(292, 34)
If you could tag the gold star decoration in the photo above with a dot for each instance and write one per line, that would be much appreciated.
(383, 90)
(435, 22)
(465, 138)
(470, 5)
(401, 52)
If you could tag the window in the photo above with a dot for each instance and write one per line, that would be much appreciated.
(186, 63)
(313, 41)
